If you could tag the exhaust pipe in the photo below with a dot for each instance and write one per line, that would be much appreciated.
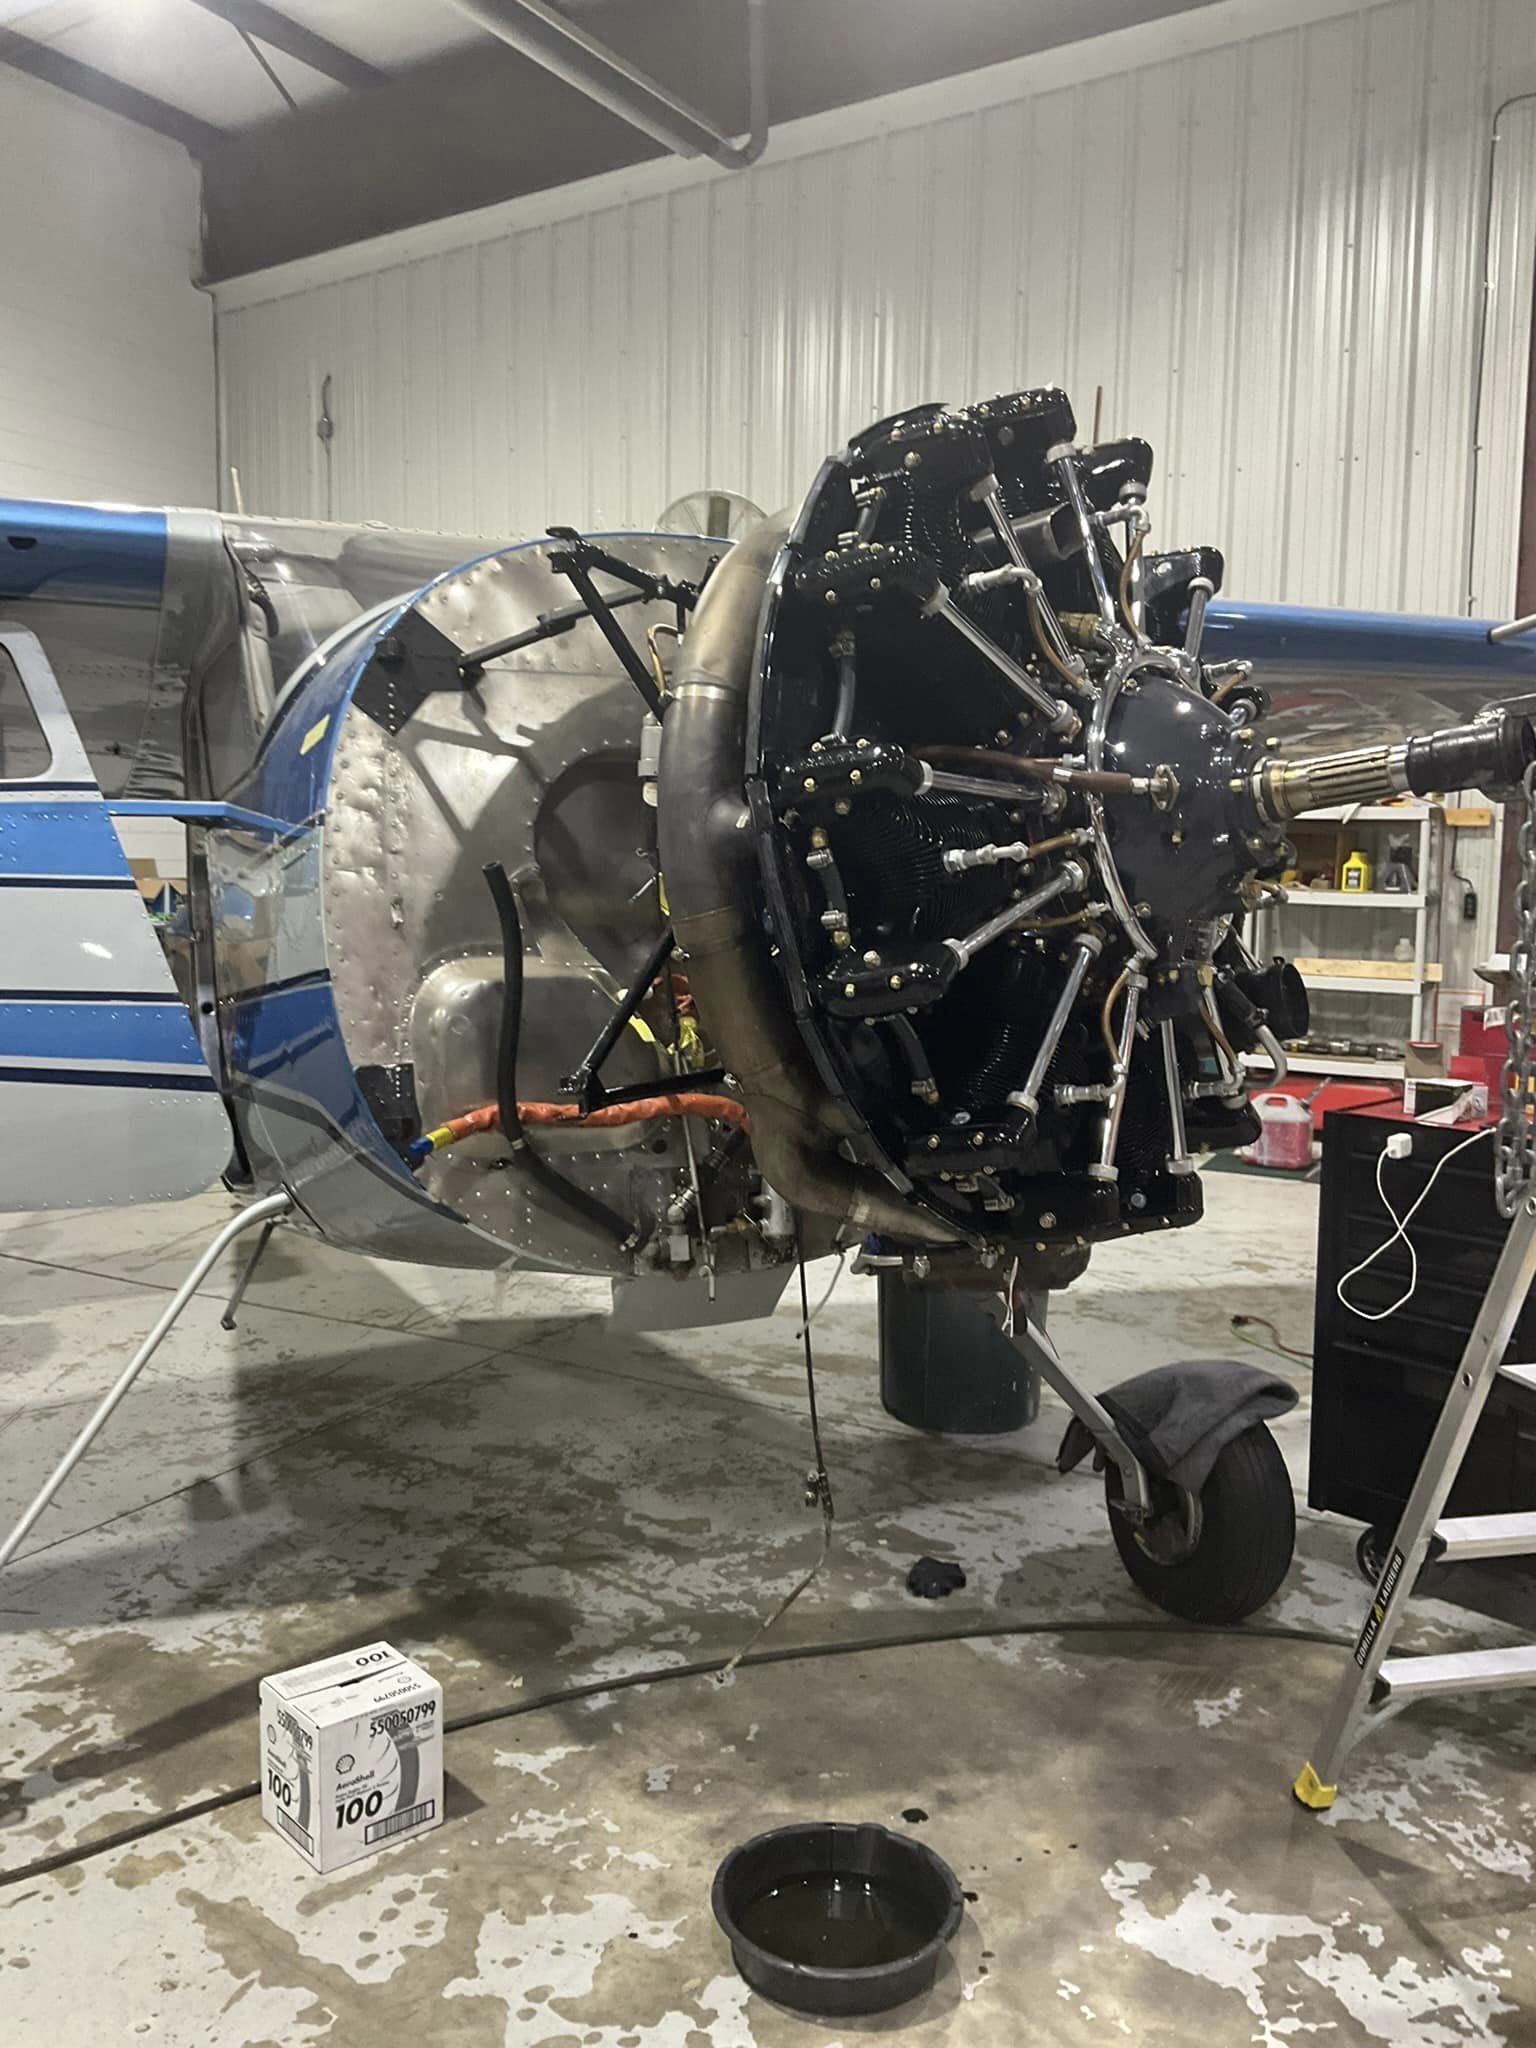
(709, 865)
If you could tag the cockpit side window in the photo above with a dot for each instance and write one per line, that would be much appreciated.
(24, 750)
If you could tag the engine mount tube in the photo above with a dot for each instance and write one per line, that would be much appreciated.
(708, 864)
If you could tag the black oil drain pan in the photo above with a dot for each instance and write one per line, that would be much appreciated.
(837, 1918)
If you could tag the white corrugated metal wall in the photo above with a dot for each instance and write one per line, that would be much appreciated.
(1267, 251)
(106, 348)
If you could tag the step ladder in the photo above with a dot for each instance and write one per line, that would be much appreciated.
(1376, 1685)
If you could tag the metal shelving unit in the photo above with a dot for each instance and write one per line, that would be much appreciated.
(1341, 1064)
(1419, 984)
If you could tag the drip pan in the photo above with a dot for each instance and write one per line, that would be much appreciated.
(837, 1917)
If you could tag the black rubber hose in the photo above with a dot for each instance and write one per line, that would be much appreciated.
(1490, 754)
(528, 1162)
(668, 1674)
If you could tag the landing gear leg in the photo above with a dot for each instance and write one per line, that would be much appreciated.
(1215, 1556)
(1136, 1487)
(248, 1274)
(267, 1212)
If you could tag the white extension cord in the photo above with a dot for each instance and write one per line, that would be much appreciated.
(1398, 1146)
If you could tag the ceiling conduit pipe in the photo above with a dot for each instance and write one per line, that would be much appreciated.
(541, 33)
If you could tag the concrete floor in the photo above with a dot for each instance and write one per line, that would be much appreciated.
(488, 1476)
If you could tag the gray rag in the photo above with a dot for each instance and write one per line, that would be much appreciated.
(1179, 1418)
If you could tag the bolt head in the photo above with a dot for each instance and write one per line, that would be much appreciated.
(842, 807)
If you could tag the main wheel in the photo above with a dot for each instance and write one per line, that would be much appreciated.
(1218, 1555)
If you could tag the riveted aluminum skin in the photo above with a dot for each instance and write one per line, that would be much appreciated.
(360, 962)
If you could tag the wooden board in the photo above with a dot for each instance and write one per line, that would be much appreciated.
(1368, 970)
(1469, 818)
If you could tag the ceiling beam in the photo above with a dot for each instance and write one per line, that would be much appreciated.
(85, 82)
(265, 23)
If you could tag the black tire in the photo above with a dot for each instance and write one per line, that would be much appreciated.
(1371, 1552)
(1245, 1534)
(1375, 1547)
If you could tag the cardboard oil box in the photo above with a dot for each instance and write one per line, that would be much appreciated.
(351, 1754)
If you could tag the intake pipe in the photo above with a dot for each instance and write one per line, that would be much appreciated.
(709, 867)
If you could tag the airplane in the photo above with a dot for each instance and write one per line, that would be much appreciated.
(680, 909)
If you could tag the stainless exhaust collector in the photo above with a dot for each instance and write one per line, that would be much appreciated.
(709, 866)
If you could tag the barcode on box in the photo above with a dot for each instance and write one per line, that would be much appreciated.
(412, 1817)
(299, 1834)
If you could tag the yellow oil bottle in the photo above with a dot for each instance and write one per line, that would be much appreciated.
(1355, 875)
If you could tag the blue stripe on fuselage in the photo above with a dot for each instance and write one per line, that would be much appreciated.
(123, 1034)
(42, 838)
(288, 1034)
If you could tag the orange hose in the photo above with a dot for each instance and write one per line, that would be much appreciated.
(716, 1108)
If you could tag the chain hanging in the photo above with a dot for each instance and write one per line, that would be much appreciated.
(1516, 1150)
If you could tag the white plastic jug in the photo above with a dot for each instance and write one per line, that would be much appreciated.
(1285, 1136)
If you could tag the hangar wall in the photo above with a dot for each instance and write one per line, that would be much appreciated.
(106, 346)
(1259, 227)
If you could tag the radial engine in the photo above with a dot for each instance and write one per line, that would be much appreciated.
(885, 871)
